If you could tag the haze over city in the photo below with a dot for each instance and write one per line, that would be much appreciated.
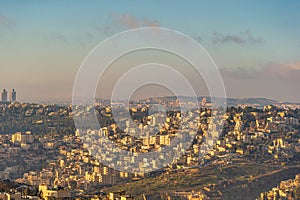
(255, 44)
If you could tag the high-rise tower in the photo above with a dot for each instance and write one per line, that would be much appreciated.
(4, 96)
(13, 96)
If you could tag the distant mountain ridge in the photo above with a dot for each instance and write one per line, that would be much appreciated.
(244, 101)
(231, 101)
(258, 101)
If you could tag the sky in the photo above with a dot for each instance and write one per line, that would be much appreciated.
(255, 44)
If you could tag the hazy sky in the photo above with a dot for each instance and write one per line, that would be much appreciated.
(255, 44)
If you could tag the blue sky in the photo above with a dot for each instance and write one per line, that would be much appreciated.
(255, 44)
